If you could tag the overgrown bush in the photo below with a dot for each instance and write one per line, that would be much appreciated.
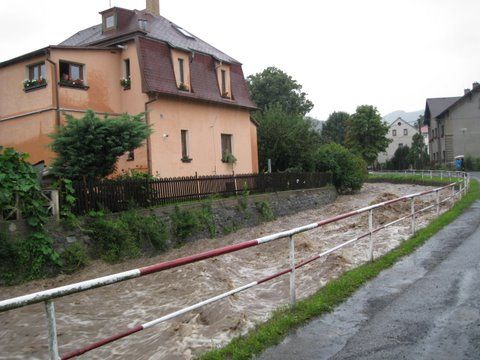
(147, 230)
(74, 258)
(10, 265)
(472, 163)
(349, 171)
(264, 211)
(184, 222)
(207, 220)
(113, 239)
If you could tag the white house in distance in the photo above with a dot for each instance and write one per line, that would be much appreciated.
(401, 133)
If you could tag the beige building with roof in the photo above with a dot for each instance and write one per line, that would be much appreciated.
(400, 133)
(194, 96)
(454, 126)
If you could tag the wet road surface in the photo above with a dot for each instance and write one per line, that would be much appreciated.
(426, 306)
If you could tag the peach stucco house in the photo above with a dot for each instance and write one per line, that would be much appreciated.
(194, 95)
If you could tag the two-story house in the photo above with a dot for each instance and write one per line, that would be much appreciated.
(454, 126)
(194, 96)
(400, 133)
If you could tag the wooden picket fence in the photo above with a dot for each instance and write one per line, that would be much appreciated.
(119, 195)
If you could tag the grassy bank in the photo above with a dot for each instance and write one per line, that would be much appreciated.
(410, 179)
(335, 292)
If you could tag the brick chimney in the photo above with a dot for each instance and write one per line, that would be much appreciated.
(153, 7)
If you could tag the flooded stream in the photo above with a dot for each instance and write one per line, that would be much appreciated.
(90, 316)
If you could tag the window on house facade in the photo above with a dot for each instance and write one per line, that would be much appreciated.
(223, 78)
(394, 132)
(400, 145)
(36, 77)
(405, 131)
(126, 80)
(226, 147)
(444, 158)
(71, 74)
(131, 155)
(185, 147)
(37, 71)
(224, 82)
(181, 71)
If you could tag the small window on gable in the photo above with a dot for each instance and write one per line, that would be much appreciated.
(181, 71)
(109, 22)
(405, 131)
(399, 123)
(394, 132)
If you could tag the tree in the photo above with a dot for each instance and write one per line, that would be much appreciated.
(400, 159)
(272, 87)
(289, 141)
(335, 127)
(418, 155)
(366, 133)
(89, 148)
(349, 170)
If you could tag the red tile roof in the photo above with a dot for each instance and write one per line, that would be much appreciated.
(158, 76)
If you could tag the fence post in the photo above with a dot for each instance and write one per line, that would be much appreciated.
(292, 273)
(453, 195)
(235, 181)
(422, 174)
(198, 185)
(441, 175)
(52, 330)
(412, 208)
(370, 229)
(431, 175)
(437, 193)
(55, 204)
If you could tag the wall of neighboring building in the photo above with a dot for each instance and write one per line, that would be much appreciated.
(205, 123)
(463, 124)
(400, 138)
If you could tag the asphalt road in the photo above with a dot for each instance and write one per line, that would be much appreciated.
(426, 306)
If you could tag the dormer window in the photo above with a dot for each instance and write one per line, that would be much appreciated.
(181, 67)
(223, 75)
(109, 21)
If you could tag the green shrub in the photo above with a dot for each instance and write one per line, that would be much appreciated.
(265, 211)
(113, 240)
(10, 265)
(74, 258)
(349, 171)
(207, 220)
(184, 223)
(147, 230)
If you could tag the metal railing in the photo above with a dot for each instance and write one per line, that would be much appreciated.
(458, 188)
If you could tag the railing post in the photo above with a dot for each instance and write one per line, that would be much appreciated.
(453, 195)
(437, 193)
(441, 175)
(292, 273)
(370, 229)
(52, 330)
(412, 208)
(431, 175)
(422, 174)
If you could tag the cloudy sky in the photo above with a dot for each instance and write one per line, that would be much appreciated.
(389, 53)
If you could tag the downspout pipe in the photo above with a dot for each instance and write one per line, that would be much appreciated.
(55, 80)
(149, 142)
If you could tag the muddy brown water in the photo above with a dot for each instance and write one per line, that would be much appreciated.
(92, 315)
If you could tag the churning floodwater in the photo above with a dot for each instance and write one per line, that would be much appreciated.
(90, 316)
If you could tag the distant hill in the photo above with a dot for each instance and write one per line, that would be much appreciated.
(410, 117)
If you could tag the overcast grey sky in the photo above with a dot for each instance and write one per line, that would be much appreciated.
(391, 54)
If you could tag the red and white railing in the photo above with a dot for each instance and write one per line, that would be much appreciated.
(458, 188)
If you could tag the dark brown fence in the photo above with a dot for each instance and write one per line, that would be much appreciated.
(118, 195)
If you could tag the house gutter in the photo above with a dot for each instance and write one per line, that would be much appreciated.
(149, 142)
(55, 79)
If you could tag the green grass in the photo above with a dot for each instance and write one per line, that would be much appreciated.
(410, 179)
(335, 292)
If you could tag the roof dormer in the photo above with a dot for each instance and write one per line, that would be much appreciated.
(115, 19)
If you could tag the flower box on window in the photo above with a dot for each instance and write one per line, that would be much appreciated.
(183, 87)
(77, 83)
(229, 158)
(125, 83)
(34, 84)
